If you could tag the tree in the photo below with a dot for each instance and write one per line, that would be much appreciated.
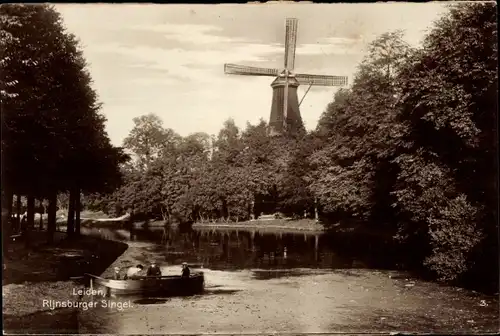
(228, 163)
(228, 145)
(184, 176)
(387, 54)
(47, 96)
(148, 139)
(295, 194)
(352, 172)
(449, 108)
(24, 69)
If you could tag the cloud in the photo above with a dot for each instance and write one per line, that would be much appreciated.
(154, 81)
(169, 60)
(340, 40)
(325, 49)
(336, 46)
(199, 66)
(189, 33)
(188, 64)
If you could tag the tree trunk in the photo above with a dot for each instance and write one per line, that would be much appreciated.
(9, 195)
(51, 220)
(71, 214)
(18, 211)
(77, 211)
(40, 225)
(316, 216)
(7, 224)
(169, 215)
(165, 213)
(30, 218)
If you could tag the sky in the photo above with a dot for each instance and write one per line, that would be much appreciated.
(169, 59)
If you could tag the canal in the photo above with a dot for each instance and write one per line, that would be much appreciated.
(262, 281)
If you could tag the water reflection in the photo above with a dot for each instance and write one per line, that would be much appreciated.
(225, 249)
(236, 249)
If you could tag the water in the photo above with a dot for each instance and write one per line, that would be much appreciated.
(261, 281)
(230, 249)
(236, 250)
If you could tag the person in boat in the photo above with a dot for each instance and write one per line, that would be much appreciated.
(116, 275)
(185, 270)
(153, 270)
(134, 271)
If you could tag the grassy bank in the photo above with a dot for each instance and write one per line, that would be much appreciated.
(274, 224)
(42, 272)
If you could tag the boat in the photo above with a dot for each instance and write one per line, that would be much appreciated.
(149, 286)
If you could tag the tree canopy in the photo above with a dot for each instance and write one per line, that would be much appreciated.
(54, 137)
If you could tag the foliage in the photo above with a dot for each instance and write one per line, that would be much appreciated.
(448, 165)
(411, 146)
(198, 177)
(47, 95)
(453, 233)
(148, 139)
(360, 135)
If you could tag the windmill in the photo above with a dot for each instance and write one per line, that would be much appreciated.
(285, 113)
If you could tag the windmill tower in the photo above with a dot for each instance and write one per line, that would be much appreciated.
(285, 113)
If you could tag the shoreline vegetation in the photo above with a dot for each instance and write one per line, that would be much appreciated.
(266, 222)
(43, 272)
(288, 226)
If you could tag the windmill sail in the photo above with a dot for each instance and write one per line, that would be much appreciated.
(290, 46)
(321, 80)
(234, 69)
(290, 43)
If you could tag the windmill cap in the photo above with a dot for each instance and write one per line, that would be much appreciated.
(184, 263)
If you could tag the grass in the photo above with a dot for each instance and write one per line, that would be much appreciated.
(93, 215)
(41, 272)
(26, 298)
(275, 224)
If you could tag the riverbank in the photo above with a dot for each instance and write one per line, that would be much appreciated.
(288, 225)
(42, 272)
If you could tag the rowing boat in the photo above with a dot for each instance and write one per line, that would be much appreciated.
(171, 285)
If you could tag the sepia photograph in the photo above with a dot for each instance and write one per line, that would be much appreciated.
(258, 168)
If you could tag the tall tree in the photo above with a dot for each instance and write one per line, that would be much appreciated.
(352, 172)
(32, 39)
(148, 139)
(47, 96)
(449, 109)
